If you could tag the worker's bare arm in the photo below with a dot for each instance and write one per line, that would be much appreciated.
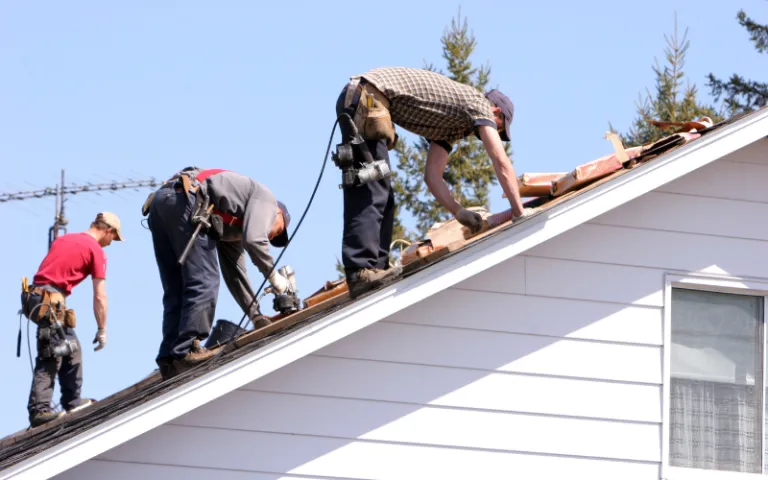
(100, 302)
(437, 159)
(505, 172)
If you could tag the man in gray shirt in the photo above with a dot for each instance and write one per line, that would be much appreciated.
(253, 219)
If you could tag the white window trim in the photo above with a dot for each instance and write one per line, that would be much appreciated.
(709, 283)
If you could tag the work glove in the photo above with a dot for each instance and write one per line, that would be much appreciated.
(279, 283)
(526, 212)
(470, 219)
(100, 338)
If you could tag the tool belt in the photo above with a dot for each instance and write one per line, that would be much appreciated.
(369, 109)
(43, 305)
(189, 180)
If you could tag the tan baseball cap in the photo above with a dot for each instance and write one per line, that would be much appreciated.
(111, 219)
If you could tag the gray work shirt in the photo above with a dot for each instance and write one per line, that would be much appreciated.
(251, 202)
(256, 206)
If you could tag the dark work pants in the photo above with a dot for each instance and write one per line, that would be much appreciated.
(69, 370)
(190, 291)
(369, 213)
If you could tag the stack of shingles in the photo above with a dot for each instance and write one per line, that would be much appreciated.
(548, 186)
(554, 185)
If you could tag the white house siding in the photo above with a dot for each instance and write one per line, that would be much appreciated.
(547, 366)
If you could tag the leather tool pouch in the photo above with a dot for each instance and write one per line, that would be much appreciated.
(216, 231)
(25, 307)
(45, 302)
(32, 305)
(373, 118)
(52, 307)
(186, 183)
(69, 319)
(147, 203)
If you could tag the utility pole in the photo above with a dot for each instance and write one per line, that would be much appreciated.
(60, 221)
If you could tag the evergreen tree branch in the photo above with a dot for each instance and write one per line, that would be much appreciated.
(738, 94)
(758, 34)
(671, 100)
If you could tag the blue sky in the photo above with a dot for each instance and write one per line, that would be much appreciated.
(111, 92)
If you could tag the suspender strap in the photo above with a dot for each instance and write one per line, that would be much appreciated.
(352, 96)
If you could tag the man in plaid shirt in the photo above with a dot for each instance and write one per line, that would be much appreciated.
(442, 111)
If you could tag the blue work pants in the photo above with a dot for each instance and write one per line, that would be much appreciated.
(190, 291)
(369, 213)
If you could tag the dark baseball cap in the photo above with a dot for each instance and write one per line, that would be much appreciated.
(281, 240)
(507, 108)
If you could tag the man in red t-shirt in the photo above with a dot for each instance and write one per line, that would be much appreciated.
(70, 260)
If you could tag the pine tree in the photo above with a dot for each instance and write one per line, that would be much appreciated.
(340, 268)
(469, 174)
(672, 102)
(741, 95)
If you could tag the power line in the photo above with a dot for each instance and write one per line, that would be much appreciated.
(75, 189)
(60, 221)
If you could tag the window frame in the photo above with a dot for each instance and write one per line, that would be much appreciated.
(754, 287)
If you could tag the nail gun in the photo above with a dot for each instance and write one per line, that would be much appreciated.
(289, 301)
(62, 348)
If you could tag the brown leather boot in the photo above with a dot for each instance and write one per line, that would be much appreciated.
(167, 368)
(197, 354)
(41, 418)
(367, 279)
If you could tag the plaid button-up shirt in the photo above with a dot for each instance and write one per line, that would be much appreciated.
(431, 105)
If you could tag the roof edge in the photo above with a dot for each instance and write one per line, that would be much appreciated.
(445, 273)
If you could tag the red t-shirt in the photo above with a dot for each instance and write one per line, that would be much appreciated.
(72, 257)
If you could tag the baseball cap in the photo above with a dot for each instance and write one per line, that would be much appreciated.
(507, 108)
(281, 240)
(111, 220)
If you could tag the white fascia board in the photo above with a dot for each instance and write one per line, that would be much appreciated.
(449, 271)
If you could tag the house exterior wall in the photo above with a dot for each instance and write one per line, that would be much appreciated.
(546, 366)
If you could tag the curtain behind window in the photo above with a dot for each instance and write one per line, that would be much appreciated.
(716, 381)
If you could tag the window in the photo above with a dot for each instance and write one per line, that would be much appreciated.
(717, 390)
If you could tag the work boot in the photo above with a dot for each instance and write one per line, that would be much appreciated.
(41, 418)
(82, 404)
(366, 279)
(196, 355)
(167, 369)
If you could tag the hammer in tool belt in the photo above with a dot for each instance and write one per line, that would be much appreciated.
(203, 220)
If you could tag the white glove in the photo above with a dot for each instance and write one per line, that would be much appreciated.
(279, 283)
(470, 219)
(100, 338)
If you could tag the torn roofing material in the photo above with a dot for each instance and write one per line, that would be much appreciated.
(551, 189)
(43, 447)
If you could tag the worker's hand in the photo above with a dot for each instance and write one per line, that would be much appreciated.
(526, 213)
(279, 283)
(100, 338)
(470, 219)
